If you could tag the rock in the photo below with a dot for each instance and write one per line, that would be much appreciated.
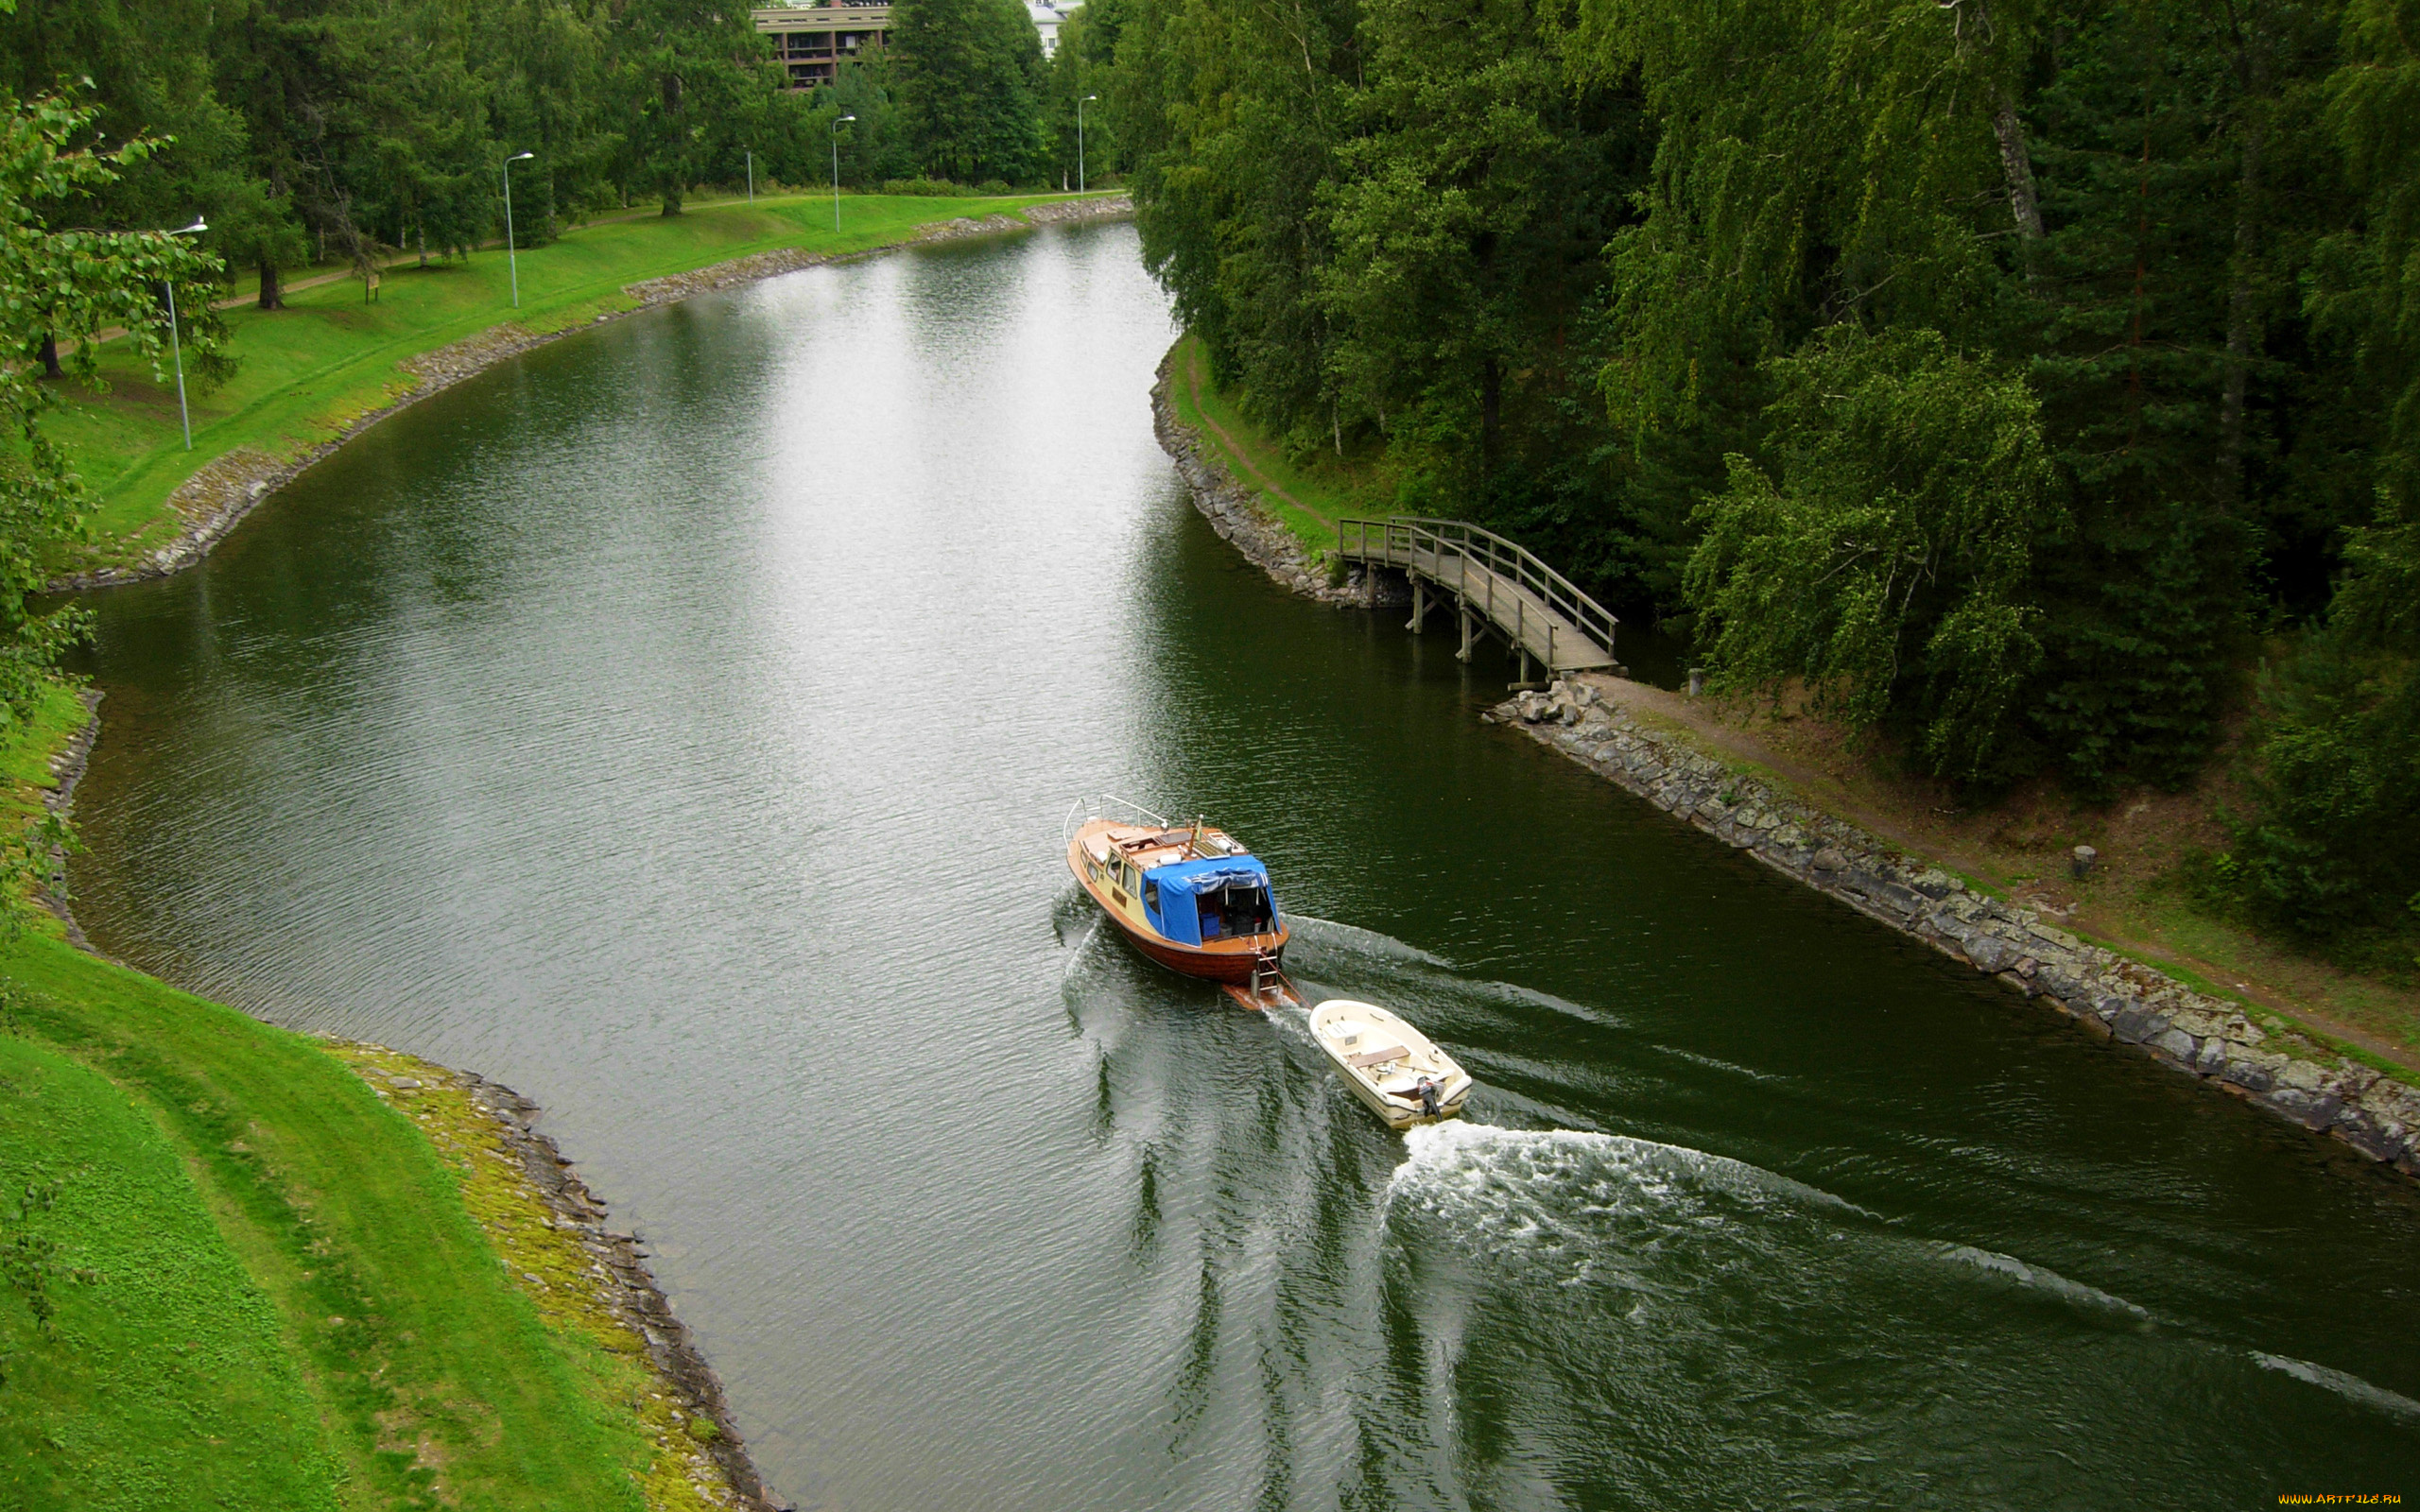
(1934, 883)
(2255, 1071)
(1989, 952)
(2081, 860)
(1830, 859)
(2213, 1057)
(2014, 982)
(2176, 1045)
(2138, 1022)
(2302, 1075)
(2060, 982)
(2310, 1109)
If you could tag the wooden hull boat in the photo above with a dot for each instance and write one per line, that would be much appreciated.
(1187, 896)
(1390, 1065)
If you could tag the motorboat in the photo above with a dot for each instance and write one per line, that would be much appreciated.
(1390, 1065)
(1189, 896)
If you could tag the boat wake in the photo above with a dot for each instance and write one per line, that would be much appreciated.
(1327, 935)
(2041, 1278)
(1602, 1207)
(2351, 1387)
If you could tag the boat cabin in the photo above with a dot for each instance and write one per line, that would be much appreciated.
(1196, 885)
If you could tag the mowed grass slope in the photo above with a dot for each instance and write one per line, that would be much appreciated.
(286, 1301)
(163, 1379)
(307, 372)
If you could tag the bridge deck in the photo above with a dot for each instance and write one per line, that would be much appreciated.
(1536, 610)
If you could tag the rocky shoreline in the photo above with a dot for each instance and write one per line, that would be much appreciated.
(2264, 1062)
(224, 490)
(614, 1263)
(2114, 997)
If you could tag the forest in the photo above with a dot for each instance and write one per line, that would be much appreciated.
(360, 128)
(2033, 386)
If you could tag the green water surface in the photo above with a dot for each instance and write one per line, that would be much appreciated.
(676, 724)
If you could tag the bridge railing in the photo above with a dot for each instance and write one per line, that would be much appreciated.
(1402, 540)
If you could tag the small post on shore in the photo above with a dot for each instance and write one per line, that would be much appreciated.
(1697, 681)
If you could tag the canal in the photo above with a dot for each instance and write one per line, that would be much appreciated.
(676, 724)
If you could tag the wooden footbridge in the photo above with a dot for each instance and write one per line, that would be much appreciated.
(1494, 584)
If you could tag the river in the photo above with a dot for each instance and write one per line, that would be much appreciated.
(676, 724)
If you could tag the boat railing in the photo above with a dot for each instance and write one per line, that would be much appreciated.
(1084, 810)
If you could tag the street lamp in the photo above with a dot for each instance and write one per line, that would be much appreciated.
(836, 168)
(511, 255)
(1079, 142)
(752, 175)
(177, 347)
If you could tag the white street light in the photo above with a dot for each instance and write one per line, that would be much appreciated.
(511, 254)
(1079, 142)
(176, 347)
(752, 175)
(836, 168)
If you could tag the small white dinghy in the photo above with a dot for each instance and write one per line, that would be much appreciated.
(1390, 1065)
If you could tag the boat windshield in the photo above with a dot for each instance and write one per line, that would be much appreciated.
(1234, 911)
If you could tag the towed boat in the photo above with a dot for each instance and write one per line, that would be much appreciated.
(1188, 896)
(1390, 1065)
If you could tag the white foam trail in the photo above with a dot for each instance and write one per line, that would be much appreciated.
(1333, 936)
(2041, 1278)
(1479, 1153)
(2353, 1389)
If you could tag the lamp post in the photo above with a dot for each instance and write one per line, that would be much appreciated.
(176, 345)
(511, 254)
(751, 177)
(836, 168)
(1079, 142)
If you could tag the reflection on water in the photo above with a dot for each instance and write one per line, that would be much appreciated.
(675, 725)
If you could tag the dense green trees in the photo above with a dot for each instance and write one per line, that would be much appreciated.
(1684, 292)
(970, 80)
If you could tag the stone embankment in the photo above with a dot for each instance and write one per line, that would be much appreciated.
(2263, 1062)
(219, 493)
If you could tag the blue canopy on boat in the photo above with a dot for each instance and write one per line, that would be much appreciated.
(1202, 885)
(1213, 875)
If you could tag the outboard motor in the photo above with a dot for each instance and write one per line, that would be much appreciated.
(1427, 1091)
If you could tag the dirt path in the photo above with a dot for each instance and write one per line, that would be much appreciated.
(1236, 452)
(1707, 722)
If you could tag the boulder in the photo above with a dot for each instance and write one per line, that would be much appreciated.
(1830, 859)
(2176, 1045)
(2310, 1109)
(1934, 883)
(2255, 1071)
(2137, 1022)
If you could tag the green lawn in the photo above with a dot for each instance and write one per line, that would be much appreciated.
(307, 372)
(271, 1289)
(163, 1379)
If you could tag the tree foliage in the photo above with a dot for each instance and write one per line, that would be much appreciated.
(1890, 564)
(971, 85)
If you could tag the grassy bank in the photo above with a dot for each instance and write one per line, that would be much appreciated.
(309, 371)
(2136, 902)
(1308, 494)
(269, 1287)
